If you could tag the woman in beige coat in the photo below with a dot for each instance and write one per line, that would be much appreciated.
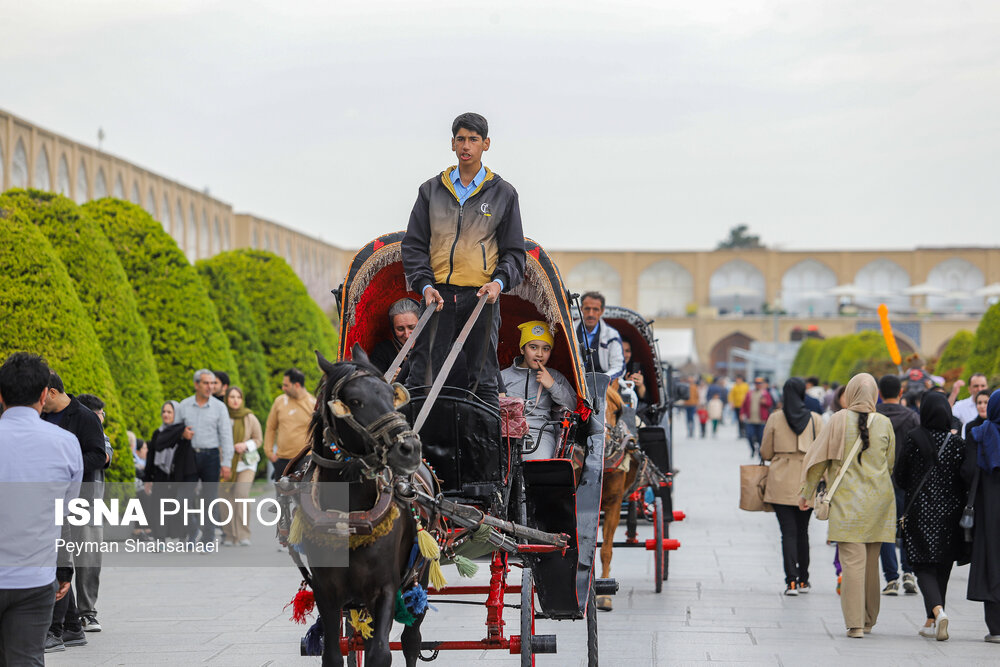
(863, 507)
(247, 440)
(787, 436)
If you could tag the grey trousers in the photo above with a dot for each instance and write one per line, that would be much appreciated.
(25, 614)
(87, 574)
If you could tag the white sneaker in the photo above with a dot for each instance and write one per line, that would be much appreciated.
(942, 626)
(929, 631)
(244, 542)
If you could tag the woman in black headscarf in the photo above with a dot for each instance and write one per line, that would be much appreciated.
(787, 436)
(929, 471)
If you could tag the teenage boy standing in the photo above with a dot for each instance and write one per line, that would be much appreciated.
(463, 240)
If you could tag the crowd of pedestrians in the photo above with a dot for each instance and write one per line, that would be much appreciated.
(207, 445)
(910, 474)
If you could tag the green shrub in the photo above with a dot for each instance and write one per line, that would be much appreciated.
(863, 346)
(952, 361)
(40, 313)
(237, 321)
(985, 354)
(289, 322)
(104, 291)
(183, 325)
(827, 356)
(805, 358)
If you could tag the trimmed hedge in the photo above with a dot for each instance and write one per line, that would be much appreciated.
(104, 291)
(806, 357)
(956, 352)
(183, 324)
(289, 322)
(827, 357)
(40, 313)
(984, 357)
(866, 346)
(237, 321)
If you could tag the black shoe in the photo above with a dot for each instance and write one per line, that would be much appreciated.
(53, 643)
(90, 624)
(74, 637)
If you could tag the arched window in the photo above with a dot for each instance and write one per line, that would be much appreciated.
(119, 192)
(804, 289)
(884, 281)
(1, 165)
(19, 166)
(216, 235)
(100, 184)
(595, 275)
(42, 179)
(722, 359)
(151, 203)
(227, 241)
(179, 223)
(63, 186)
(959, 279)
(204, 237)
(135, 197)
(288, 251)
(165, 207)
(82, 183)
(737, 286)
(665, 289)
(191, 237)
(254, 238)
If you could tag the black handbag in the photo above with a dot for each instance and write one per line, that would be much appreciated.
(968, 519)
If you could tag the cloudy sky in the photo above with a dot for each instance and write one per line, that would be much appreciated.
(638, 124)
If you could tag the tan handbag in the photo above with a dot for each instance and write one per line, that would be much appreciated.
(753, 481)
(823, 498)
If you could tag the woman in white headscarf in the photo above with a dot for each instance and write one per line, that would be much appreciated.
(863, 508)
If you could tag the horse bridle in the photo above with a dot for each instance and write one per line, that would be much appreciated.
(382, 435)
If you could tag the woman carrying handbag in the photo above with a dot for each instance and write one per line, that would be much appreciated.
(856, 449)
(788, 434)
(929, 468)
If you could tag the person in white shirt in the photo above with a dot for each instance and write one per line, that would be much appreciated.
(965, 409)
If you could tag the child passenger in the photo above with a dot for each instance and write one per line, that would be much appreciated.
(545, 391)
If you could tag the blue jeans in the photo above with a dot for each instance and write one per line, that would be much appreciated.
(890, 568)
(755, 433)
(207, 462)
(690, 412)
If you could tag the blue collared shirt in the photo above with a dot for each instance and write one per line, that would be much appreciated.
(211, 425)
(50, 458)
(463, 191)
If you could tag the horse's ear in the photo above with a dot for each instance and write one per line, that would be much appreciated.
(358, 354)
(325, 365)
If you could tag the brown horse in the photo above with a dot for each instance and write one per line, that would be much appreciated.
(619, 474)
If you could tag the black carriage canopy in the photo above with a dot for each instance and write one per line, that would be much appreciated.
(375, 281)
(638, 331)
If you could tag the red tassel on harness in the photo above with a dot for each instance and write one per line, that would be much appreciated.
(302, 604)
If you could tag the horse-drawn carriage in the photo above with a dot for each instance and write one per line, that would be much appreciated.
(475, 496)
(640, 474)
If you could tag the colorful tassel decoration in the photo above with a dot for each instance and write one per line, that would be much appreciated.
(416, 600)
(428, 545)
(437, 579)
(401, 614)
(361, 621)
(466, 568)
(302, 604)
(295, 533)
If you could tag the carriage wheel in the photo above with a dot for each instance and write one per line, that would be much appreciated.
(592, 626)
(527, 617)
(666, 554)
(658, 544)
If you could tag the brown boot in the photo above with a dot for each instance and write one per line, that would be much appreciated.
(604, 602)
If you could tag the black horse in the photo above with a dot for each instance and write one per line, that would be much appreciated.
(358, 428)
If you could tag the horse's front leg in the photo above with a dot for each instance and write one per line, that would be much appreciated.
(612, 494)
(382, 609)
(411, 641)
(330, 613)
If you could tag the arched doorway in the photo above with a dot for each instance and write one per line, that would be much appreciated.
(722, 361)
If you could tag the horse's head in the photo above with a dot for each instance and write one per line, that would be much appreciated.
(360, 410)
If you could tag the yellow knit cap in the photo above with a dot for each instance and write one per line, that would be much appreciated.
(535, 330)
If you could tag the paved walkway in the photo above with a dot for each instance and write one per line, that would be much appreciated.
(722, 604)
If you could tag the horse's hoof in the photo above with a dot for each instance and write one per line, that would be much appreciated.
(604, 602)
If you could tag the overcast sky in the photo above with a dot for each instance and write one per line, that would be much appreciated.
(635, 124)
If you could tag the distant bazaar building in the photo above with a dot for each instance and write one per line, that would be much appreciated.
(704, 303)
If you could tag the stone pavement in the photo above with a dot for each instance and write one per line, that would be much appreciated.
(722, 604)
